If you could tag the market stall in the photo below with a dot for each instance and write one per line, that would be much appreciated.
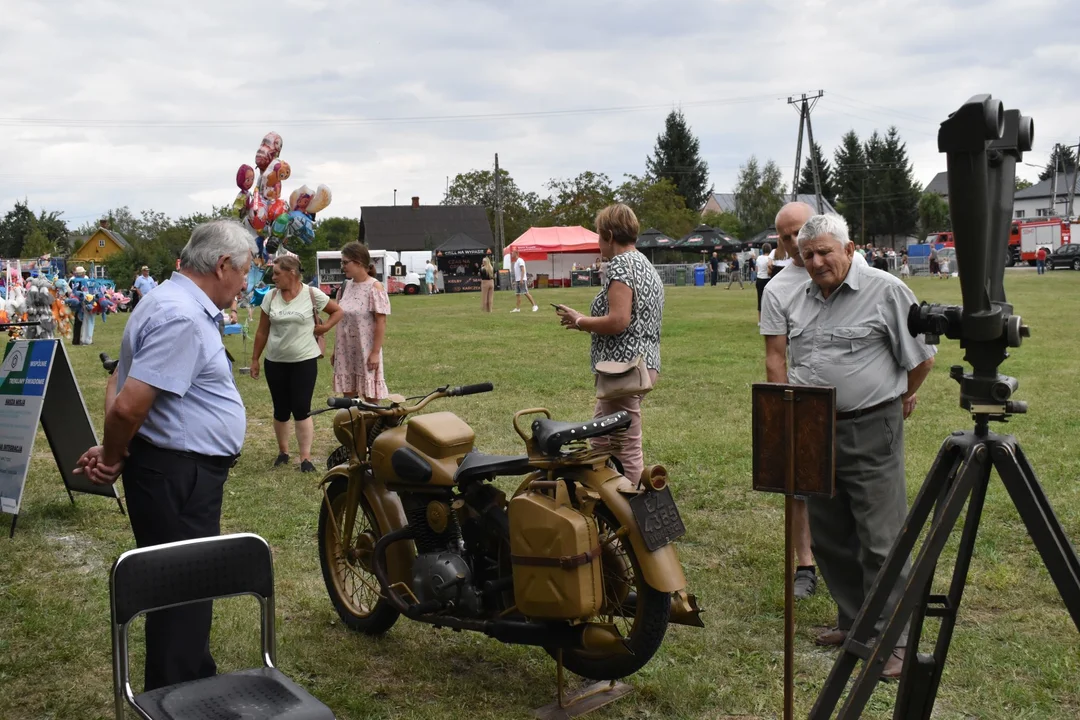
(458, 260)
(652, 240)
(563, 248)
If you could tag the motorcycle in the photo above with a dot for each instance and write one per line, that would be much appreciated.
(578, 560)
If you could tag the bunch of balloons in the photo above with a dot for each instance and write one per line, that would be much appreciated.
(261, 205)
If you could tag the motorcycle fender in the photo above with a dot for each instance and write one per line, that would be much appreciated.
(390, 515)
(661, 569)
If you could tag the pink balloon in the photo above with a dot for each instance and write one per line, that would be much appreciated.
(245, 177)
(273, 141)
(257, 212)
(262, 157)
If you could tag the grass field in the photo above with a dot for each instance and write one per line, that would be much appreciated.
(1016, 654)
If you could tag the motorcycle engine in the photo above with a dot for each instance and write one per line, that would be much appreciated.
(446, 577)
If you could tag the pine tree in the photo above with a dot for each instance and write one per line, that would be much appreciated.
(901, 199)
(849, 178)
(825, 172)
(676, 157)
(1063, 158)
(876, 187)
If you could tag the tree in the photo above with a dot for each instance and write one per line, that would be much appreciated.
(825, 172)
(14, 229)
(37, 244)
(657, 204)
(1062, 158)
(676, 157)
(577, 201)
(477, 187)
(725, 221)
(759, 195)
(897, 205)
(933, 214)
(1022, 184)
(850, 176)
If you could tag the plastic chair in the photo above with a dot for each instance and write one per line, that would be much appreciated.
(190, 571)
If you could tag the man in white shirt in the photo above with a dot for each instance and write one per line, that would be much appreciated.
(764, 272)
(521, 284)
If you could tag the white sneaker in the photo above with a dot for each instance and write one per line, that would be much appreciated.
(535, 308)
(516, 310)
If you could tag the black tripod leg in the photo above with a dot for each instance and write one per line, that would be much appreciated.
(933, 489)
(922, 675)
(1042, 524)
(976, 465)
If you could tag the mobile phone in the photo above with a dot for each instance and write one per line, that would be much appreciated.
(554, 305)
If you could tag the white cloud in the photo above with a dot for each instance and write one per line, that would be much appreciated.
(163, 101)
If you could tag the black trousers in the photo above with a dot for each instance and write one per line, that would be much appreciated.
(76, 330)
(291, 387)
(714, 274)
(171, 497)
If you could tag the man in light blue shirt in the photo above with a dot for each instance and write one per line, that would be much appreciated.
(174, 425)
(143, 284)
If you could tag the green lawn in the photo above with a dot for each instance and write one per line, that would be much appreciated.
(1016, 654)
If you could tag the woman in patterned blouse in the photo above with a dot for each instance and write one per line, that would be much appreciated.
(624, 324)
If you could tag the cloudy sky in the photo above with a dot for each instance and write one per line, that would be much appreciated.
(155, 104)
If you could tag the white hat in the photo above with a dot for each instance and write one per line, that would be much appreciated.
(79, 269)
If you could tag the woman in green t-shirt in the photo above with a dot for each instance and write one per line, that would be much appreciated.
(289, 331)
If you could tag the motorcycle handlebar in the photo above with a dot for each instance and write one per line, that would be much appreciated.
(340, 403)
(470, 389)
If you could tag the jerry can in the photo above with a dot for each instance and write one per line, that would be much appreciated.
(555, 553)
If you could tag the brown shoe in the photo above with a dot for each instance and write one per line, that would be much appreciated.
(832, 638)
(894, 665)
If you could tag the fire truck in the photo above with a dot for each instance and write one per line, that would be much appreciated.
(1027, 236)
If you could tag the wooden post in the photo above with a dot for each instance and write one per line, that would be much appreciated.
(789, 569)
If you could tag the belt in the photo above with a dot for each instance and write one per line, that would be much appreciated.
(852, 414)
(217, 461)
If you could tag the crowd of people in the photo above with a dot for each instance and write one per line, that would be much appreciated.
(175, 422)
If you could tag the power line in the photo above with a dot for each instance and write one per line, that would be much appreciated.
(359, 120)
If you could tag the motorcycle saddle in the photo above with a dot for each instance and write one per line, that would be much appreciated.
(478, 465)
(551, 435)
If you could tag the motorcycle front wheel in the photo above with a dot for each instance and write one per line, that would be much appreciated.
(639, 611)
(346, 563)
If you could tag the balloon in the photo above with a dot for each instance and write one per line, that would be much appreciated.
(245, 177)
(272, 141)
(240, 204)
(321, 199)
(276, 210)
(257, 212)
(300, 198)
(262, 157)
(300, 227)
(281, 224)
(273, 193)
(277, 172)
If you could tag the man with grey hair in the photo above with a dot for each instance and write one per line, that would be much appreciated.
(847, 328)
(174, 425)
(775, 305)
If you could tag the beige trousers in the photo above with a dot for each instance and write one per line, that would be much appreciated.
(487, 294)
(624, 444)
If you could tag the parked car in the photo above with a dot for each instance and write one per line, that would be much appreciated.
(1066, 256)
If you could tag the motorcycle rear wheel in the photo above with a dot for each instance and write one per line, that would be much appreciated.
(350, 583)
(644, 630)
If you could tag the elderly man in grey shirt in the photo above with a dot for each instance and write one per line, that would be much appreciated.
(847, 328)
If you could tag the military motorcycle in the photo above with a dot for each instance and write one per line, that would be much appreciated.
(578, 560)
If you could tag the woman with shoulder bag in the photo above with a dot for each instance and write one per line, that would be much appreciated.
(487, 285)
(293, 337)
(358, 358)
(625, 327)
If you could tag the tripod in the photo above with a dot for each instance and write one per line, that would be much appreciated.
(960, 474)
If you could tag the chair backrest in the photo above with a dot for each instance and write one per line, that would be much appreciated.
(189, 571)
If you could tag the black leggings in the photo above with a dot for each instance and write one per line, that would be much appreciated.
(291, 387)
(761, 283)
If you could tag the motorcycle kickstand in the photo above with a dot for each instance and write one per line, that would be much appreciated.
(582, 701)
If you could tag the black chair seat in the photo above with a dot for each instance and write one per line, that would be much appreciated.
(477, 464)
(551, 435)
(261, 694)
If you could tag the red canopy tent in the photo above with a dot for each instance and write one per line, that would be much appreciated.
(536, 243)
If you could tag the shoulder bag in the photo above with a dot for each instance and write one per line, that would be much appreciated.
(622, 379)
(320, 340)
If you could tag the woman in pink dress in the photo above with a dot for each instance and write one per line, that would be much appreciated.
(357, 358)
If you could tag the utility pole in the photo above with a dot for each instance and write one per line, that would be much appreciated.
(1053, 182)
(1072, 185)
(804, 106)
(498, 208)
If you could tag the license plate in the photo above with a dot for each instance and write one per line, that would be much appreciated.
(657, 518)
